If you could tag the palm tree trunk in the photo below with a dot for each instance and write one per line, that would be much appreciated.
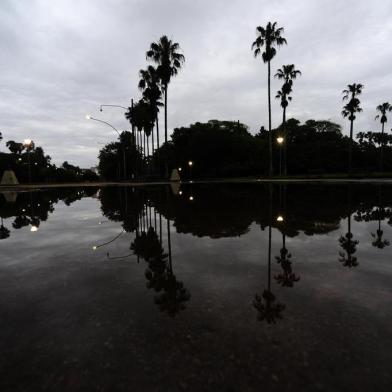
(284, 143)
(269, 120)
(350, 152)
(157, 131)
(165, 88)
(382, 149)
(152, 140)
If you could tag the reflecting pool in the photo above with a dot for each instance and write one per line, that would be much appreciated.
(203, 287)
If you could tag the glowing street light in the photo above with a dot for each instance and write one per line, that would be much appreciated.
(190, 164)
(191, 198)
(280, 139)
(280, 218)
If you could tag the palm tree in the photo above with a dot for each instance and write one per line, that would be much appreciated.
(165, 54)
(268, 37)
(150, 85)
(383, 109)
(347, 243)
(287, 73)
(349, 110)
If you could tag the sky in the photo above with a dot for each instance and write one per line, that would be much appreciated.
(62, 59)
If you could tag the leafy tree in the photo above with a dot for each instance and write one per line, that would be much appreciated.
(383, 109)
(165, 53)
(349, 110)
(268, 38)
(15, 147)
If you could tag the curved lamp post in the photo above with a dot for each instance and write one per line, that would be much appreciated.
(113, 106)
(88, 117)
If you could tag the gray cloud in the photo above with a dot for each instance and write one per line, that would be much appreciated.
(62, 59)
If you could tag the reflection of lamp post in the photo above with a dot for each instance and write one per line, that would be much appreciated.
(88, 117)
(280, 141)
(27, 144)
(190, 164)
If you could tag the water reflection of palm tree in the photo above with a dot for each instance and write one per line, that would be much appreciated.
(287, 277)
(267, 306)
(379, 242)
(347, 243)
(4, 232)
(171, 293)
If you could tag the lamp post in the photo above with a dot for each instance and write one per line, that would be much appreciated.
(88, 117)
(27, 144)
(280, 141)
(190, 164)
(125, 108)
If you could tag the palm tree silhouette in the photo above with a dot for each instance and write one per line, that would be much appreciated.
(349, 110)
(287, 278)
(172, 294)
(383, 109)
(378, 241)
(348, 244)
(267, 307)
(149, 84)
(268, 37)
(165, 54)
(287, 73)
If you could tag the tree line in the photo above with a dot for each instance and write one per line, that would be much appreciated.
(371, 147)
(29, 162)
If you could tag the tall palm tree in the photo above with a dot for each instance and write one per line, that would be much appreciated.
(268, 37)
(165, 53)
(150, 85)
(353, 106)
(287, 73)
(383, 109)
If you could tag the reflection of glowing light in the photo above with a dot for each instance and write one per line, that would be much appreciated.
(34, 228)
(19, 159)
(191, 198)
(94, 247)
(190, 163)
(280, 218)
(180, 192)
(23, 210)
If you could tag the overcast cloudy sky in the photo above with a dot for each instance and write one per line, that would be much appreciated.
(61, 59)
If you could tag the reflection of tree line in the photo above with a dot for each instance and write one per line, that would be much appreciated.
(32, 208)
(229, 211)
(148, 245)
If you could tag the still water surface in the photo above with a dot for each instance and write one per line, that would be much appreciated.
(203, 288)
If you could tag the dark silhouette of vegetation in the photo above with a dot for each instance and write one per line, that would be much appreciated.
(268, 38)
(267, 306)
(383, 109)
(347, 243)
(165, 53)
(287, 73)
(349, 110)
(24, 159)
